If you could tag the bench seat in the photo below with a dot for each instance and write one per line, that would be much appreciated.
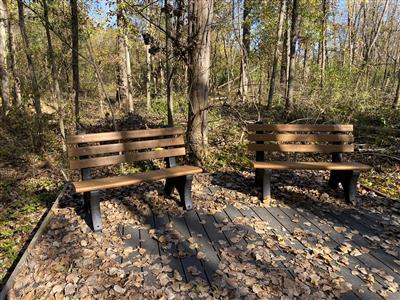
(125, 180)
(293, 165)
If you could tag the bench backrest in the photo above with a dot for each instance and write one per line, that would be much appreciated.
(110, 148)
(300, 138)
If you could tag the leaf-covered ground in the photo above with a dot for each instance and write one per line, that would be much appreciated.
(254, 258)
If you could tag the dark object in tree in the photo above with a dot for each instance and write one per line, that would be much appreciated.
(179, 177)
(75, 58)
(200, 16)
(333, 139)
(28, 53)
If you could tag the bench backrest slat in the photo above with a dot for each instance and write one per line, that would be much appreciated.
(301, 127)
(122, 147)
(122, 135)
(111, 148)
(127, 157)
(317, 138)
(292, 137)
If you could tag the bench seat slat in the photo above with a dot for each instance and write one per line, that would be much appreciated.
(290, 137)
(121, 135)
(289, 165)
(120, 181)
(127, 157)
(123, 147)
(301, 127)
(301, 148)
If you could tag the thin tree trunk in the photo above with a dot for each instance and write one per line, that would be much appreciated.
(168, 73)
(123, 92)
(54, 76)
(323, 43)
(148, 63)
(16, 84)
(28, 53)
(276, 54)
(4, 87)
(200, 16)
(305, 67)
(75, 58)
(396, 100)
(245, 50)
(293, 41)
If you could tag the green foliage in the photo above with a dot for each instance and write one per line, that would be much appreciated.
(35, 185)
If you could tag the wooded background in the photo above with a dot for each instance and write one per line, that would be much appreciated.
(327, 60)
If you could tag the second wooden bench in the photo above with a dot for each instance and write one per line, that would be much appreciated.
(311, 138)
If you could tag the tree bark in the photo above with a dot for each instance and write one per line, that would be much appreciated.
(28, 53)
(200, 16)
(54, 75)
(322, 43)
(168, 73)
(16, 82)
(148, 62)
(245, 50)
(75, 58)
(4, 87)
(293, 41)
(276, 54)
(396, 100)
(124, 95)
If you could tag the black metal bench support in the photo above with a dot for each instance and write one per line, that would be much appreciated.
(348, 179)
(92, 205)
(184, 186)
(266, 184)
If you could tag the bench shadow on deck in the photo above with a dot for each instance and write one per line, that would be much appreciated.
(167, 236)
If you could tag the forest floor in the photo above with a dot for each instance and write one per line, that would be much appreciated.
(308, 244)
(31, 164)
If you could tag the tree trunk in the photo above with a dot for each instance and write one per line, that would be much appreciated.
(293, 41)
(54, 76)
(200, 16)
(28, 53)
(16, 84)
(75, 58)
(168, 73)
(4, 88)
(276, 54)
(148, 62)
(124, 95)
(396, 100)
(323, 43)
(245, 50)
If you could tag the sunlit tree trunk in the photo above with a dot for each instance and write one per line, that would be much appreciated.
(75, 58)
(200, 16)
(54, 74)
(276, 54)
(4, 88)
(293, 41)
(28, 53)
(322, 43)
(396, 99)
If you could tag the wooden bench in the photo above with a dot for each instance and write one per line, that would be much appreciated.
(87, 151)
(334, 139)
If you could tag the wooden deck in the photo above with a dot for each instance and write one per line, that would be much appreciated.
(303, 228)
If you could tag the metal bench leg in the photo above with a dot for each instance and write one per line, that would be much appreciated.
(184, 186)
(92, 206)
(170, 184)
(349, 182)
(334, 179)
(259, 177)
(266, 185)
